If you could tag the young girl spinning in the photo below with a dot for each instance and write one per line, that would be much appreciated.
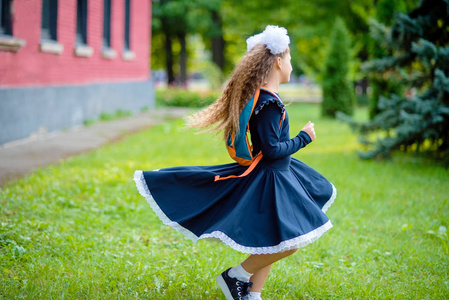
(275, 208)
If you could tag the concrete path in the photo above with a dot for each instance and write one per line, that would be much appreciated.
(18, 159)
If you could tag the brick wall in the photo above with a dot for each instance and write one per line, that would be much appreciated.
(32, 67)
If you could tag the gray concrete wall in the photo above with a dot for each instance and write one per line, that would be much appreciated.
(25, 111)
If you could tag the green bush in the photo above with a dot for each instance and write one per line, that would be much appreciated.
(185, 98)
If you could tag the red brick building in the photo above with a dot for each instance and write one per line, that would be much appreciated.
(64, 62)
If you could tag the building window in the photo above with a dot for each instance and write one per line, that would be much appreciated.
(49, 20)
(5, 17)
(7, 41)
(81, 48)
(107, 24)
(81, 22)
(127, 24)
(49, 27)
(127, 53)
(107, 52)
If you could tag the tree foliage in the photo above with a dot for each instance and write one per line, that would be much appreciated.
(225, 25)
(385, 12)
(173, 21)
(337, 89)
(309, 24)
(418, 118)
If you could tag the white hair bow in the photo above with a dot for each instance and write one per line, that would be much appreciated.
(274, 37)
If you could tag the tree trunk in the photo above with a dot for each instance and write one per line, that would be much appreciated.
(218, 42)
(183, 58)
(169, 59)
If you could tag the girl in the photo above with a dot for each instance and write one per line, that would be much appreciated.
(272, 211)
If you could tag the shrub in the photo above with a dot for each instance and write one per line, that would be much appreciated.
(185, 98)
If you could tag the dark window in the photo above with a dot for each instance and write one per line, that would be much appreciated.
(81, 22)
(107, 24)
(5, 17)
(49, 19)
(127, 4)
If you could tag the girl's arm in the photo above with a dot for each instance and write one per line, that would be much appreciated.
(269, 132)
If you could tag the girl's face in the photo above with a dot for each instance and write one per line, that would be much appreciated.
(286, 68)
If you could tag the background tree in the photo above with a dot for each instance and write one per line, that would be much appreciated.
(172, 22)
(384, 17)
(337, 88)
(419, 118)
(225, 24)
(218, 42)
(309, 24)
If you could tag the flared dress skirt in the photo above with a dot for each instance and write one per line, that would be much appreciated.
(279, 206)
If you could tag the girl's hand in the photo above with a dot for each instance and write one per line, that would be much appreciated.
(310, 130)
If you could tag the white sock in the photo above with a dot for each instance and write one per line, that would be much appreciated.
(254, 296)
(240, 273)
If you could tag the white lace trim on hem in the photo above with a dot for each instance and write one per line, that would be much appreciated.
(331, 199)
(145, 192)
(293, 243)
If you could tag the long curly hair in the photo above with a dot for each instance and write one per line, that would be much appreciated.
(248, 76)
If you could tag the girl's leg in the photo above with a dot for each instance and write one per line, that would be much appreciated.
(255, 262)
(255, 266)
(258, 279)
(259, 265)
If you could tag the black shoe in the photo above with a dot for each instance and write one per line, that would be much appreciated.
(233, 288)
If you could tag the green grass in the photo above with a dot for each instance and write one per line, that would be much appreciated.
(80, 230)
(104, 116)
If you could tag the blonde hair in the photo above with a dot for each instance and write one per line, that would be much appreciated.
(249, 75)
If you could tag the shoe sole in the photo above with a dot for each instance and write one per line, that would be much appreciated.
(224, 287)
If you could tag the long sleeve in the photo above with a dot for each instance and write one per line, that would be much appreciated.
(269, 133)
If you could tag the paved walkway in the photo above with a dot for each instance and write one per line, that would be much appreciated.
(18, 159)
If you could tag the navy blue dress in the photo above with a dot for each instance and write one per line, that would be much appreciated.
(279, 206)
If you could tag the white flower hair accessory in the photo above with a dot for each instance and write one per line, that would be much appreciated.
(274, 37)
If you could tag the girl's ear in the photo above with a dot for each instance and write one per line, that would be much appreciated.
(278, 63)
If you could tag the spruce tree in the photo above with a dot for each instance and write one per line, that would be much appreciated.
(337, 88)
(385, 11)
(417, 119)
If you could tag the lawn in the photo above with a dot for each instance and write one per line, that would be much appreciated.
(80, 230)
